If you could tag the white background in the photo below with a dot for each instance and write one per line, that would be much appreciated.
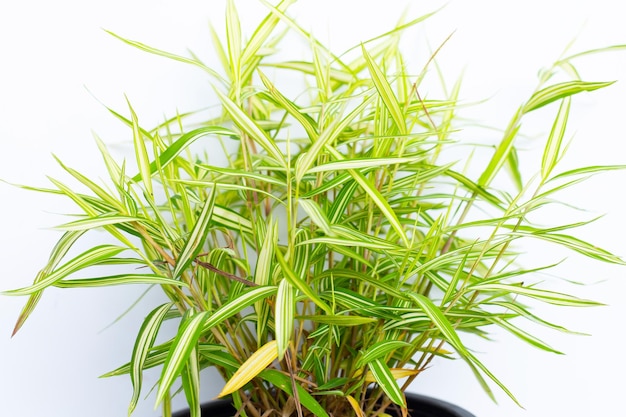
(52, 52)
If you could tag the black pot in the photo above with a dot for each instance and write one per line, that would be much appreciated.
(419, 406)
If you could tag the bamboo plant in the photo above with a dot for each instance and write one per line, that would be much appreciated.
(313, 248)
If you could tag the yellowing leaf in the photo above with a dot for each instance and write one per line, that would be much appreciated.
(251, 368)
(355, 406)
(396, 373)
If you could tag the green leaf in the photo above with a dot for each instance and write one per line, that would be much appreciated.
(550, 297)
(143, 343)
(251, 128)
(561, 90)
(122, 279)
(284, 313)
(105, 219)
(168, 55)
(380, 349)
(182, 347)
(326, 137)
(445, 327)
(93, 256)
(234, 306)
(299, 283)
(196, 238)
(141, 153)
(172, 151)
(386, 381)
(59, 251)
(552, 151)
(503, 150)
(191, 384)
(338, 320)
(385, 92)
(283, 383)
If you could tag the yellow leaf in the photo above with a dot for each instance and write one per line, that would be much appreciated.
(355, 406)
(397, 373)
(251, 368)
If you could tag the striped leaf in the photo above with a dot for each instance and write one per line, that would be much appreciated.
(122, 279)
(385, 379)
(550, 297)
(561, 90)
(256, 363)
(196, 238)
(339, 320)
(143, 343)
(284, 316)
(251, 128)
(190, 378)
(99, 221)
(56, 256)
(379, 350)
(502, 153)
(178, 355)
(552, 151)
(377, 198)
(316, 214)
(306, 121)
(385, 92)
(172, 151)
(93, 256)
(141, 153)
(234, 306)
(299, 283)
(449, 333)
(362, 163)
(327, 137)
(168, 55)
(233, 40)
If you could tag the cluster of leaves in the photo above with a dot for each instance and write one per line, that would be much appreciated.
(331, 252)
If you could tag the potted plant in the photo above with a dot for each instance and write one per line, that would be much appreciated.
(319, 249)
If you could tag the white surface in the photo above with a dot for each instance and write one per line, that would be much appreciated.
(52, 50)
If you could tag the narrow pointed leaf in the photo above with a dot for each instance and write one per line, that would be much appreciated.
(450, 335)
(327, 137)
(385, 92)
(379, 350)
(168, 55)
(284, 313)
(283, 382)
(198, 234)
(56, 256)
(256, 363)
(250, 127)
(385, 379)
(561, 90)
(182, 142)
(123, 279)
(144, 342)
(191, 384)
(235, 306)
(552, 150)
(141, 153)
(299, 283)
(86, 259)
(184, 343)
